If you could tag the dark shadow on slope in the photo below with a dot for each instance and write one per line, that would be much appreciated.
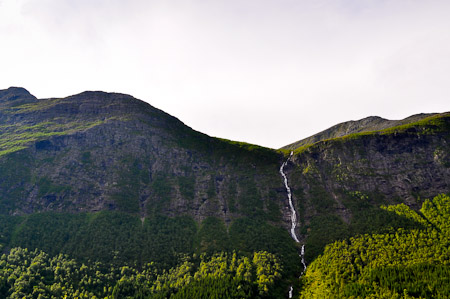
(327, 228)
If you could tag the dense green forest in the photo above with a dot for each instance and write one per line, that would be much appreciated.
(408, 262)
(118, 255)
(34, 274)
(402, 263)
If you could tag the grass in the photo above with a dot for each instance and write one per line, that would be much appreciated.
(18, 137)
(11, 150)
(45, 124)
(32, 107)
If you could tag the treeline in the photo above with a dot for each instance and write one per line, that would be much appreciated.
(108, 237)
(123, 239)
(115, 239)
(404, 263)
(34, 274)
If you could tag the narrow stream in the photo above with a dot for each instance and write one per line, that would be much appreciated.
(293, 219)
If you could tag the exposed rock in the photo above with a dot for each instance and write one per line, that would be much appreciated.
(100, 151)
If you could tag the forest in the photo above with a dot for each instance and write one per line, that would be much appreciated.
(402, 263)
(34, 274)
(116, 255)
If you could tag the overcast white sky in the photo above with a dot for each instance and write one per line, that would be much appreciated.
(268, 72)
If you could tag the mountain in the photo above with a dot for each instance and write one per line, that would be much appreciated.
(15, 96)
(98, 151)
(339, 184)
(106, 178)
(368, 124)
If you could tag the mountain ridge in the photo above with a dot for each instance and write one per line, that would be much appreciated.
(104, 132)
(367, 124)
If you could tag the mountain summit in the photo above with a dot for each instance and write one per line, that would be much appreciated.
(368, 124)
(14, 96)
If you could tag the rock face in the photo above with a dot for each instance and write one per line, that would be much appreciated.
(404, 166)
(106, 151)
(346, 178)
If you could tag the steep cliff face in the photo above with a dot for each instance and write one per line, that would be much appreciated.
(99, 151)
(105, 151)
(342, 182)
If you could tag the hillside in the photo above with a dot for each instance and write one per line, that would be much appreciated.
(368, 124)
(111, 168)
(98, 151)
(344, 181)
(403, 263)
(110, 180)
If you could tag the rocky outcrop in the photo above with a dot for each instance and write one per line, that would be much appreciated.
(15, 96)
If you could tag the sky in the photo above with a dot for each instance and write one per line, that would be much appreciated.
(268, 72)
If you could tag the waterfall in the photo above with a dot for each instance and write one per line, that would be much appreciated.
(291, 205)
(293, 219)
(302, 255)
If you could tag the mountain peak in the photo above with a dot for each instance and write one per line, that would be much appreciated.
(99, 93)
(15, 96)
(367, 124)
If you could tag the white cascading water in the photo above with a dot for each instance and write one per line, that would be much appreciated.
(293, 219)
(291, 205)
(302, 255)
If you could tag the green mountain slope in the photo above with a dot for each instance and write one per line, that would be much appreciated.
(368, 124)
(106, 178)
(97, 151)
(403, 263)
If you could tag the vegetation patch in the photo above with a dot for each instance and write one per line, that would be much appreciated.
(187, 187)
(19, 137)
(46, 186)
(213, 236)
(402, 263)
(35, 274)
(427, 126)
